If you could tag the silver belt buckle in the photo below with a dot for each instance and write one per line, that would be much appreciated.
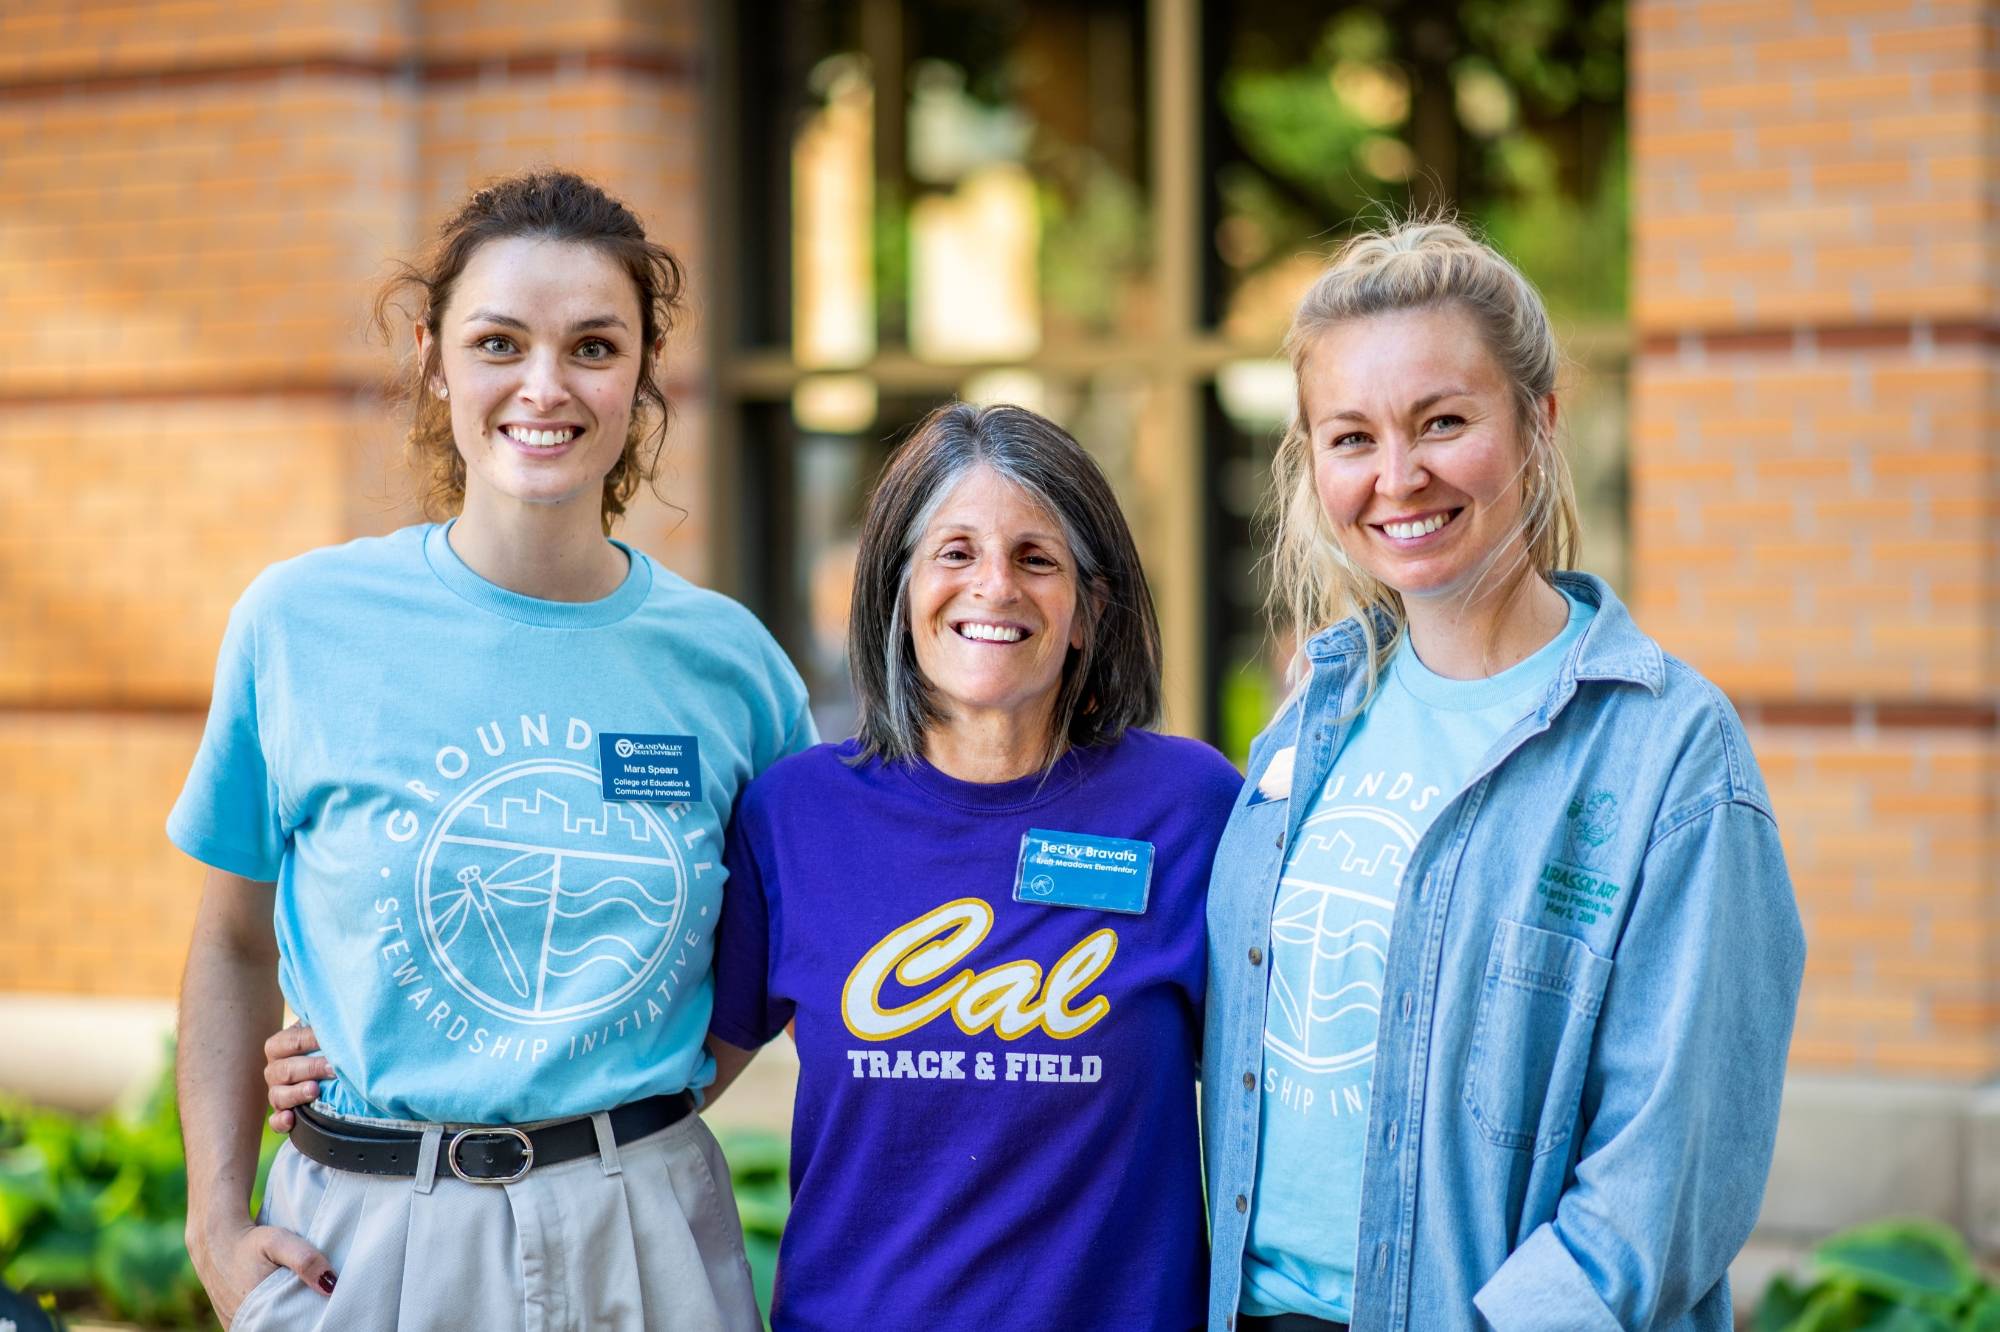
(527, 1151)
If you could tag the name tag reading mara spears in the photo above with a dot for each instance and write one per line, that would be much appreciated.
(662, 769)
(1079, 870)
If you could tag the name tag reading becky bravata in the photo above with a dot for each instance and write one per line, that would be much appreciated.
(1079, 870)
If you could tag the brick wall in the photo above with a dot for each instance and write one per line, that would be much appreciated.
(1890, 837)
(195, 200)
(1814, 464)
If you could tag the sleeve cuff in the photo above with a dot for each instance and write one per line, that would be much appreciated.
(743, 1038)
(1541, 1289)
(220, 855)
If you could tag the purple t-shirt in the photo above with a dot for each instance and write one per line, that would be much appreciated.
(986, 1154)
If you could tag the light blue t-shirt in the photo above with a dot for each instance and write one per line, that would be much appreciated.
(476, 930)
(1408, 754)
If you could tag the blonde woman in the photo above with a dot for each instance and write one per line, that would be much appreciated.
(1503, 955)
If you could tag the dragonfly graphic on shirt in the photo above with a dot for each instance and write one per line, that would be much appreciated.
(531, 882)
(542, 901)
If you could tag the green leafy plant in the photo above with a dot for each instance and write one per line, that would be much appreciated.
(759, 1171)
(1898, 1275)
(1511, 111)
(92, 1210)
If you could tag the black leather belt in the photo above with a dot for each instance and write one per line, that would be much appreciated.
(492, 1154)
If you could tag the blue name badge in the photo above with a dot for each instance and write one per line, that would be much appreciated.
(661, 768)
(1078, 870)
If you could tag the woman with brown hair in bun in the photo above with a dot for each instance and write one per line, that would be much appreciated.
(461, 797)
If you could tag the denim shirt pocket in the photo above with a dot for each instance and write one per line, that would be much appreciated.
(1532, 1036)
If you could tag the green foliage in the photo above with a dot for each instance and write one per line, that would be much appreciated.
(1574, 249)
(1559, 52)
(759, 1171)
(891, 238)
(1300, 134)
(92, 1211)
(1094, 238)
(1901, 1275)
(1510, 111)
(1248, 700)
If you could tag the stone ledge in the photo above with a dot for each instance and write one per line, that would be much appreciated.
(82, 1052)
(1852, 1150)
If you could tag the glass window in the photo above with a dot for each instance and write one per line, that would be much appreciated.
(801, 518)
(914, 162)
(967, 198)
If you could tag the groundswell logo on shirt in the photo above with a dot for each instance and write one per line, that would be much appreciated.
(540, 900)
(1330, 936)
(535, 900)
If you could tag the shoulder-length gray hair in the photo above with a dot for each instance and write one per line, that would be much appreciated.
(1110, 683)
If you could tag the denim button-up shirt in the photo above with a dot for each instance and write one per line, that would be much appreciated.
(1589, 992)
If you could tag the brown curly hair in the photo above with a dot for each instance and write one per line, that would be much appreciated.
(539, 205)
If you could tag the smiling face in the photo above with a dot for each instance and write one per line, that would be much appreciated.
(993, 600)
(1417, 452)
(540, 349)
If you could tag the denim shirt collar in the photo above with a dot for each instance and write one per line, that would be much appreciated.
(1612, 647)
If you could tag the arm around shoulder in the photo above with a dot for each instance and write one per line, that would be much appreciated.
(730, 1061)
(746, 1014)
(1680, 1105)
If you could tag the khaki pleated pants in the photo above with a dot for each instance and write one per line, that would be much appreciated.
(642, 1236)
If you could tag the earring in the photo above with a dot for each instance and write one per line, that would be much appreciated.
(443, 391)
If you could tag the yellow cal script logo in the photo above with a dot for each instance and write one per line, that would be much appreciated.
(1012, 998)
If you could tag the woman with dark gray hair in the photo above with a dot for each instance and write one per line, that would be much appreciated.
(982, 917)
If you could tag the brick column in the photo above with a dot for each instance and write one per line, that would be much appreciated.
(195, 203)
(1813, 457)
